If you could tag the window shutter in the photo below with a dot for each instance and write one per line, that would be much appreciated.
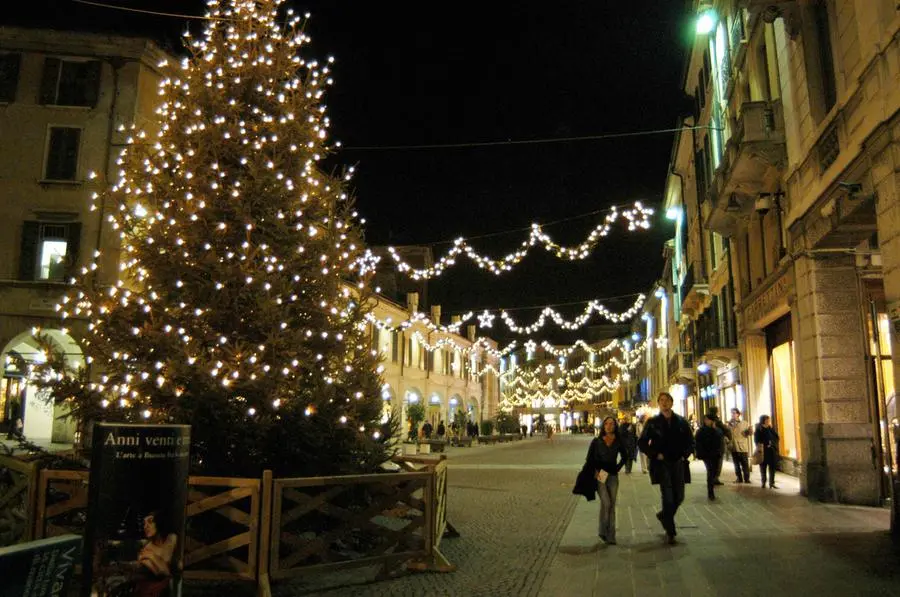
(9, 76)
(31, 232)
(49, 80)
(92, 83)
(73, 246)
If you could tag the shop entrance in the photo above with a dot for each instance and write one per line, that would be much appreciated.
(882, 372)
(783, 387)
(41, 419)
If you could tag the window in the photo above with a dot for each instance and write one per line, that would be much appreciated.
(62, 153)
(395, 336)
(49, 250)
(826, 64)
(9, 76)
(70, 82)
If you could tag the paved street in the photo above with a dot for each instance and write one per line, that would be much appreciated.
(524, 533)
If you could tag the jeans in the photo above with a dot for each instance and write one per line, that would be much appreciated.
(671, 489)
(741, 466)
(769, 462)
(629, 462)
(608, 492)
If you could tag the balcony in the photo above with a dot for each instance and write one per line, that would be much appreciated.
(754, 156)
(770, 10)
(716, 340)
(693, 288)
(681, 367)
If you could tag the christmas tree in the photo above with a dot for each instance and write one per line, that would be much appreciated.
(239, 308)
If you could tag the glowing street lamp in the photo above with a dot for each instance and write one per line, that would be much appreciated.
(706, 21)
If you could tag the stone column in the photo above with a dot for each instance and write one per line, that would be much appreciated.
(886, 180)
(832, 381)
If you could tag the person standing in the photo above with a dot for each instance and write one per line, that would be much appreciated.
(607, 455)
(629, 439)
(709, 450)
(441, 430)
(740, 446)
(667, 441)
(766, 437)
(645, 465)
(726, 440)
(426, 430)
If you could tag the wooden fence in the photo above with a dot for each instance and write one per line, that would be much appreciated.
(18, 488)
(349, 521)
(257, 529)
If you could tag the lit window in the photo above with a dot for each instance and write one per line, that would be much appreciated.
(53, 259)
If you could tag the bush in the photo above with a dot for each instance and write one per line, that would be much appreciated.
(507, 423)
(487, 427)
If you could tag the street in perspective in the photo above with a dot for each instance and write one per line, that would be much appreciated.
(312, 297)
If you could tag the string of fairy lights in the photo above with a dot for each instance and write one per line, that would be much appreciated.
(636, 217)
(486, 319)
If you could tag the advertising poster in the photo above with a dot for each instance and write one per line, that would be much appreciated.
(134, 541)
(40, 568)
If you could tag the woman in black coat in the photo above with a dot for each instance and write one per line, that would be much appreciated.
(767, 438)
(606, 456)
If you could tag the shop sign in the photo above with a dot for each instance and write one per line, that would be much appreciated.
(43, 304)
(770, 299)
(728, 378)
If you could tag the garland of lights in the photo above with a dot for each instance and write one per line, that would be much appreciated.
(638, 218)
(486, 319)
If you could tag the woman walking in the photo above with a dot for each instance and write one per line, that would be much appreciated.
(607, 455)
(767, 438)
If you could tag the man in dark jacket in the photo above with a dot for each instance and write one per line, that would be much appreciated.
(667, 441)
(709, 449)
(629, 440)
(726, 439)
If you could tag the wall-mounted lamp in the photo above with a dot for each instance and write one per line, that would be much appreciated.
(706, 21)
(672, 213)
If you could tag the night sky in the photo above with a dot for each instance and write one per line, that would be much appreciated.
(444, 73)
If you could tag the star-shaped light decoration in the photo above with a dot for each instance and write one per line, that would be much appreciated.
(486, 319)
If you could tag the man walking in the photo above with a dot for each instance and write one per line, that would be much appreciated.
(741, 435)
(667, 441)
(709, 450)
(629, 440)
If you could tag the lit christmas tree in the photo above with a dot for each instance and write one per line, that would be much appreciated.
(238, 306)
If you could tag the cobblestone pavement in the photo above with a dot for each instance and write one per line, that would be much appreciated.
(750, 541)
(511, 504)
(522, 533)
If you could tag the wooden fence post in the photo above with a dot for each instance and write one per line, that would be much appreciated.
(265, 533)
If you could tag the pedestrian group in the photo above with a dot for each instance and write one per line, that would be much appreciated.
(665, 444)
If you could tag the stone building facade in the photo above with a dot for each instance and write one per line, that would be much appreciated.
(64, 95)
(453, 375)
(795, 189)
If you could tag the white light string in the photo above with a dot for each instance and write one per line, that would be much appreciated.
(637, 217)
(548, 313)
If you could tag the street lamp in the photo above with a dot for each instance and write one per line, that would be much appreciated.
(706, 21)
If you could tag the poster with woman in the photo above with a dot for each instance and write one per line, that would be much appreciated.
(134, 539)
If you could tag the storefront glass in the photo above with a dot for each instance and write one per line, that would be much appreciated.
(880, 352)
(786, 407)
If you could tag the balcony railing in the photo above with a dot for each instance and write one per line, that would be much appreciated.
(680, 361)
